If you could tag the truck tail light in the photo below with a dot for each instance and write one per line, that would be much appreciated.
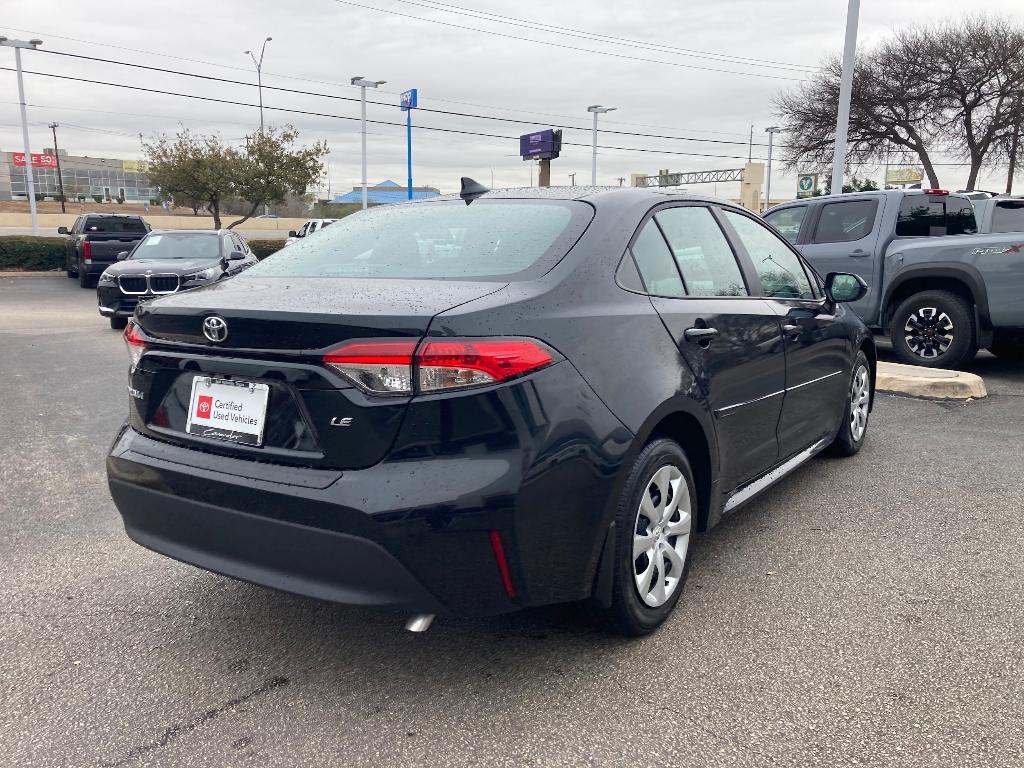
(936, 191)
(136, 343)
(87, 252)
(399, 367)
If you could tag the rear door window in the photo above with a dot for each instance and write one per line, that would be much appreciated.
(111, 225)
(960, 217)
(781, 271)
(788, 221)
(654, 260)
(1008, 216)
(700, 248)
(845, 222)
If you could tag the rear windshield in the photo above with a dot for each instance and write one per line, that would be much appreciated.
(440, 240)
(179, 245)
(104, 225)
(1008, 216)
(927, 216)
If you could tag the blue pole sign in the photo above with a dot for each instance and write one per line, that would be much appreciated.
(408, 104)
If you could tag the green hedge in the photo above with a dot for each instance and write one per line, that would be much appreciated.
(265, 247)
(31, 254)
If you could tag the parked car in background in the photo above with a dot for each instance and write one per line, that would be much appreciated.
(165, 262)
(938, 288)
(1000, 213)
(550, 413)
(94, 241)
(307, 229)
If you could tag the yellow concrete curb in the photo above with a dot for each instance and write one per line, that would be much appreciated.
(934, 383)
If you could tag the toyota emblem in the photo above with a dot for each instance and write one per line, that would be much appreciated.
(215, 329)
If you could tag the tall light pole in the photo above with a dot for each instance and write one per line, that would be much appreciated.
(596, 109)
(259, 75)
(30, 188)
(845, 93)
(363, 84)
(771, 131)
(56, 157)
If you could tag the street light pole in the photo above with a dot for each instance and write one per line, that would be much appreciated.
(30, 188)
(596, 109)
(259, 75)
(845, 93)
(363, 84)
(771, 131)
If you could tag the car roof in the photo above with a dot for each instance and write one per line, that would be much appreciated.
(601, 195)
(112, 215)
(189, 231)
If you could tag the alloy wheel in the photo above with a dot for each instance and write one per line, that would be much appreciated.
(860, 402)
(928, 332)
(661, 535)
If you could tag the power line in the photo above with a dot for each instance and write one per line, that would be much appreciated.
(385, 104)
(566, 46)
(616, 40)
(345, 117)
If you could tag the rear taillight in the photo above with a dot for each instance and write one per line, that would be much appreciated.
(936, 191)
(393, 367)
(379, 367)
(135, 342)
(87, 252)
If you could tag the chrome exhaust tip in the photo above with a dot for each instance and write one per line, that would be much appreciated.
(419, 622)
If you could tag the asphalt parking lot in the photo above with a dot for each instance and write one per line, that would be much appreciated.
(863, 612)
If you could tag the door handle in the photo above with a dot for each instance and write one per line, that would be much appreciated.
(700, 335)
(858, 254)
(792, 331)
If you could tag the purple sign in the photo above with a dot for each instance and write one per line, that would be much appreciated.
(543, 144)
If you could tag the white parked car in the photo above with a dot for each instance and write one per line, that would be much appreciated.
(308, 229)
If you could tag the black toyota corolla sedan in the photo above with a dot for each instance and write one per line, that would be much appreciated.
(168, 261)
(547, 408)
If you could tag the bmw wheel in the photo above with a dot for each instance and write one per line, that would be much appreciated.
(933, 329)
(656, 523)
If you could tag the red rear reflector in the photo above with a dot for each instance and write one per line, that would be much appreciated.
(87, 252)
(380, 367)
(457, 363)
(936, 191)
(499, 557)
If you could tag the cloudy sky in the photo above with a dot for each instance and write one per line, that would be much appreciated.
(699, 73)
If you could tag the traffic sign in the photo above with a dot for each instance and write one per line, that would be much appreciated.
(806, 184)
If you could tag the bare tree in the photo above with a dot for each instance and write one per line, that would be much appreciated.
(956, 85)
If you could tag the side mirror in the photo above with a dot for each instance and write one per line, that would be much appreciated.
(236, 256)
(292, 233)
(122, 255)
(843, 288)
(62, 230)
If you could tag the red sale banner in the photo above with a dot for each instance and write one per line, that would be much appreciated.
(38, 161)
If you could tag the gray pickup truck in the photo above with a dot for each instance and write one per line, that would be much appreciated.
(938, 288)
(94, 241)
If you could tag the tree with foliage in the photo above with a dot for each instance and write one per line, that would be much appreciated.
(202, 171)
(955, 87)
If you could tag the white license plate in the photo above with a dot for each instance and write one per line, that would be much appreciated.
(227, 410)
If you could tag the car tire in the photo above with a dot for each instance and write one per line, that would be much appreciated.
(660, 484)
(118, 323)
(1008, 348)
(857, 408)
(933, 329)
(84, 278)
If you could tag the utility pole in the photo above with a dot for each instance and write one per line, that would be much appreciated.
(596, 109)
(60, 178)
(30, 187)
(750, 146)
(363, 84)
(845, 93)
(771, 131)
(259, 75)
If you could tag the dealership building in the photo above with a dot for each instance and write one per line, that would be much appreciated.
(84, 177)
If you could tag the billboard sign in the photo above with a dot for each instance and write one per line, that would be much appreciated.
(408, 99)
(904, 175)
(543, 145)
(38, 161)
(135, 166)
(806, 184)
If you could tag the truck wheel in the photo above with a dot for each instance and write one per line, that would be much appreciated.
(84, 278)
(933, 329)
(655, 525)
(1009, 348)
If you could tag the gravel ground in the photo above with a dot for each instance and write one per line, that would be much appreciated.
(863, 612)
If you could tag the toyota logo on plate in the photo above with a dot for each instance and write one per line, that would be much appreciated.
(215, 329)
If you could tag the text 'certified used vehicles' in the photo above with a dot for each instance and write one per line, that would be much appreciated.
(166, 262)
(547, 410)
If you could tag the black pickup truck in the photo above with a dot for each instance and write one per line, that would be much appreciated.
(95, 240)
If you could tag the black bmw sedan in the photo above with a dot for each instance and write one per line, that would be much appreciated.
(168, 261)
(549, 408)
